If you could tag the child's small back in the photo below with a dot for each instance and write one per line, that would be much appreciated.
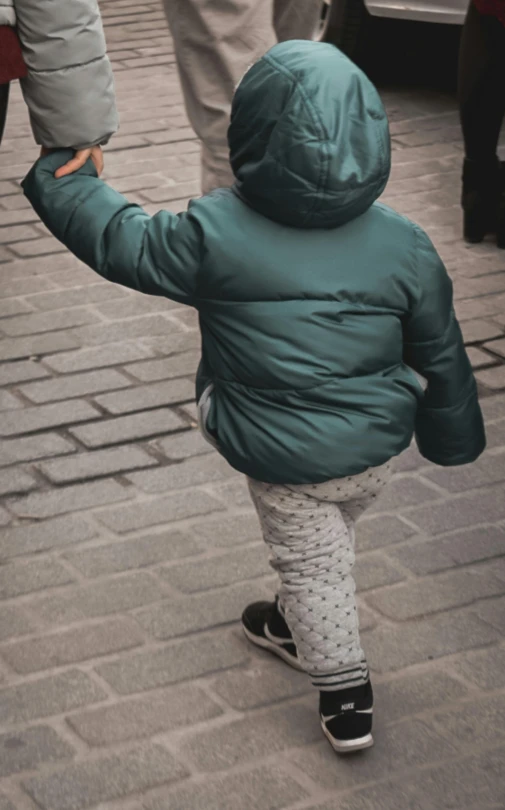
(316, 303)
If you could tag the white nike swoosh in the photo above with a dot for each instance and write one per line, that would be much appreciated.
(276, 639)
(356, 711)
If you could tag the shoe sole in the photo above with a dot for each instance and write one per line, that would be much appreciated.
(280, 652)
(348, 746)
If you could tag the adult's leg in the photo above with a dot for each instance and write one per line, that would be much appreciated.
(4, 100)
(297, 19)
(310, 534)
(215, 42)
(481, 85)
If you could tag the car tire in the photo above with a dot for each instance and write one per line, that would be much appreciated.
(348, 25)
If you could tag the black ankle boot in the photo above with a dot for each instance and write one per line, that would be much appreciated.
(500, 224)
(480, 198)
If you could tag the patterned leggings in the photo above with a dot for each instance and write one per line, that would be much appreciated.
(310, 533)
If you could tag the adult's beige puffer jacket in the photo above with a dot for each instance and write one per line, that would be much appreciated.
(69, 89)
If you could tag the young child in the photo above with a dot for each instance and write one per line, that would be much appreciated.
(320, 312)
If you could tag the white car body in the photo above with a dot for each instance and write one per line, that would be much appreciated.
(437, 11)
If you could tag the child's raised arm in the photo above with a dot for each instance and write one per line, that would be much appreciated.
(449, 425)
(156, 255)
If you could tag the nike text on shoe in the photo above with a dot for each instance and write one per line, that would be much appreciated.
(346, 718)
(265, 626)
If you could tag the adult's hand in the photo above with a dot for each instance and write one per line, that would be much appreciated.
(79, 159)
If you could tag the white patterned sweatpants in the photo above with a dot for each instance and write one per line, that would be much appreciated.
(310, 533)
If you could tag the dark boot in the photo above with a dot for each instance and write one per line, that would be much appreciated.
(480, 199)
(500, 224)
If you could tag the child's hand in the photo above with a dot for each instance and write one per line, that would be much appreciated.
(78, 161)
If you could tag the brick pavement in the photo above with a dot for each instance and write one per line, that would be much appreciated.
(128, 549)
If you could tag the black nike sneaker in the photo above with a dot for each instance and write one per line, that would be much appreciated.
(346, 714)
(346, 718)
(265, 626)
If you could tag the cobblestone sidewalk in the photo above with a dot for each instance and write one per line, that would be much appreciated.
(128, 550)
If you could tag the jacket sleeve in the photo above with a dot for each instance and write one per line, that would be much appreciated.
(449, 424)
(69, 89)
(157, 255)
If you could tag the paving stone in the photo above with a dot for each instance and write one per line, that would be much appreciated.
(128, 428)
(63, 299)
(266, 787)
(13, 622)
(242, 741)
(131, 329)
(11, 289)
(480, 359)
(410, 460)
(36, 537)
(69, 499)
(86, 784)
(214, 572)
(461, 548)
(68, 647)
(183, 364)
(391, 648)
(18, 579)
(190, 443)
(171, 347)
(36, 345)
(148, 396)
(157, 712)
(497, 347)
(180, 661)
(98, 463)
(489, 469)
(264, 682)
(493, 612)
(403, 745)
(48, 321)
(458, 513)
(48, 696)
(376, 532)
(483, 668)
(42, 417)
(15, 481)
(493, 378)
(192, 472)
(228, 531)
(478, 722)
(440, 592)
(177, 617)
(9, 401)
(11, 373)
(493, 407)
(180, 506)
(478, 331)
(99, 357)
(78, 385)
(100, 599)
(133, 305)
(135, 553)
(403, 492)
(374, 570)
(496, 435)
(234, 493)
(402, 697)
(31, 448)
(469, 783)
(27, 749)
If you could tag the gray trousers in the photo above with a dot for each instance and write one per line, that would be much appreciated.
(310, 533)
(215, 42)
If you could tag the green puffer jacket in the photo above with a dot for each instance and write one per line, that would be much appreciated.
(316, 303)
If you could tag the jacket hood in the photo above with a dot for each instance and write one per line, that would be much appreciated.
(309, 137)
